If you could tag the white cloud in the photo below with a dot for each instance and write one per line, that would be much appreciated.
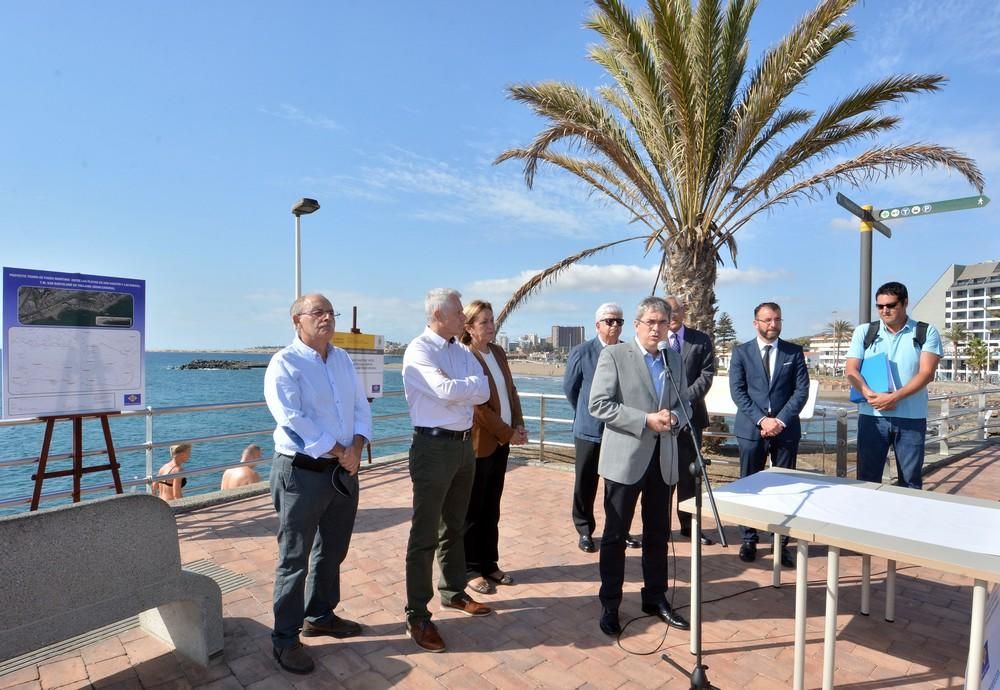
(437, 190)
(613, 277)
(290, 112)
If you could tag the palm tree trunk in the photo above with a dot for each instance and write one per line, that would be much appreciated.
(689, 274)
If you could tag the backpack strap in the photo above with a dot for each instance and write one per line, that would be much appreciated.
(872, 333)
(920, 335)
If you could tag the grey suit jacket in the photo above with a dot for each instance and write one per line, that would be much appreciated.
(621, 395)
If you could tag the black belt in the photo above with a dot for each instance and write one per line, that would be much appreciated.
(312, 464)
(443, 433)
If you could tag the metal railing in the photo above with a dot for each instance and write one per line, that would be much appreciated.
(951, 424)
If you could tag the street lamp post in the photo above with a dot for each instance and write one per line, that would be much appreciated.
(302, 207)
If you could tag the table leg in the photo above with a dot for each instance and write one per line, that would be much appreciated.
(801, 592)
(890, 591)
(695, 589)
(776, 558)
(974, 668)
(866, 584)
(830, 631)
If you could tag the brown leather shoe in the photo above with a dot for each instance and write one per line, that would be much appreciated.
(467, 605)
(294, 659)
(425, 634)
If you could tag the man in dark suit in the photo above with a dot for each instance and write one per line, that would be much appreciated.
(698, 354)
(641, 415)
(587, 430)
(770, 385)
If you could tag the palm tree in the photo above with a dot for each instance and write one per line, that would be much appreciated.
(957, 335)
(840, 330)
(694, 144)
(979, 356)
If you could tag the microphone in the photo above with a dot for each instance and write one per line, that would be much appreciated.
(663, 346)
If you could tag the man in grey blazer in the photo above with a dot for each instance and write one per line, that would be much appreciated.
(633, 395)
(587, 431)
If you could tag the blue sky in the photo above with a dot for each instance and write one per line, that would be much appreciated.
(168, 141)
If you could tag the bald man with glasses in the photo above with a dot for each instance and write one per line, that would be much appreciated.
(322, 422)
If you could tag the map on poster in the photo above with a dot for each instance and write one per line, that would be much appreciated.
(72, 343)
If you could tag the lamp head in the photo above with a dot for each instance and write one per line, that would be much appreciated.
(304, 207)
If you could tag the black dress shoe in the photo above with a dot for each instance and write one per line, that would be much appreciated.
(667, 615)
(633, 542)
(335, 626)
(586, 543)
(748, 552)
(786, 558)
(705, 540)
(294, 659)
(609, 622)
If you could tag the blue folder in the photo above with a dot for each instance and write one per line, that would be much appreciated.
(877, 374)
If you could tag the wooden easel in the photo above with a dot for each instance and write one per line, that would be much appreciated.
(78, 470)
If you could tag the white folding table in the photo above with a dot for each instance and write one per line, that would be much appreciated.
(954, 534)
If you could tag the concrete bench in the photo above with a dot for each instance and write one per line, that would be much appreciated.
(68, 570)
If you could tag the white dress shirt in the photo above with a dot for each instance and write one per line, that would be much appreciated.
(443, 381)
(315, 404)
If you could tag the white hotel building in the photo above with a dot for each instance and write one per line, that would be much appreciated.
(964, 295)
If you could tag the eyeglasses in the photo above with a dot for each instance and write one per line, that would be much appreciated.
(774, 320)
(610, 323)
(654, 324)
(887, 305)
(320, 313)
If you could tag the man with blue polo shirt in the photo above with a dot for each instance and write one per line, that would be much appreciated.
(897, 418)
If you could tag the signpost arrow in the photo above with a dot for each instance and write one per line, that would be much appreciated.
(872, 220)
(962, 204)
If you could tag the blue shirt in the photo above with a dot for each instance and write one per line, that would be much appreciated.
(655, 365)
(904, 361)
(315, 404)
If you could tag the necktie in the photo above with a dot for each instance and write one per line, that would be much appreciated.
(675, 343)
(767, 363)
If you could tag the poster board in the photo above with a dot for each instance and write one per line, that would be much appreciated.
(720, 401)
(72, 343)
(367, 351)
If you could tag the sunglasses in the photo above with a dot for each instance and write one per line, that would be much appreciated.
(887, 305)
(613, 322)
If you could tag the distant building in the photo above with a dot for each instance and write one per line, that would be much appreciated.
(964, 295)
(504, 342)
(828, 357)
(565, 338)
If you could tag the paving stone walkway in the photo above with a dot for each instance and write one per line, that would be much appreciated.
(545, 633)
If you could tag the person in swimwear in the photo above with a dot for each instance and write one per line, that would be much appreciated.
(172, 489)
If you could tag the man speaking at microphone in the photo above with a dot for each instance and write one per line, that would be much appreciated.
(633, 396)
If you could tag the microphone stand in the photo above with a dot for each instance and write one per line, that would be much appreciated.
(699, 676)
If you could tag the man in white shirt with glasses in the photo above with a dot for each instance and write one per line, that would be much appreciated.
(323, 421)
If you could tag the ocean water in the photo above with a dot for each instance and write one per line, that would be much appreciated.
(169, 386)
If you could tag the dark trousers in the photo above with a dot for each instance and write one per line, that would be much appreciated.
(685, 479)
(585, 487)
(482, 522)
(906, 437)
(619, 507)
(315, 523)
(442, 470)
(753, 454)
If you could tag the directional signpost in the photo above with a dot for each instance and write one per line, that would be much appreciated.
(962, 204)
(872, 220)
